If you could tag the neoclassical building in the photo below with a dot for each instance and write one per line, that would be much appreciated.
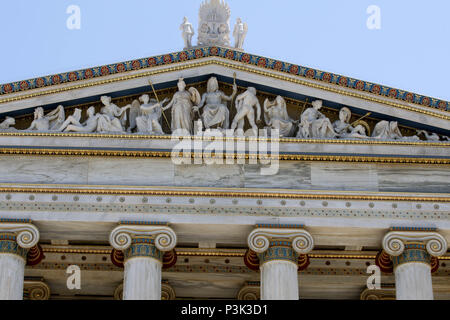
(329, 176)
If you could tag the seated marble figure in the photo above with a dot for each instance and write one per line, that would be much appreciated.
(7, 123)
(344, 129)
(215, 113)
(49, 122)
(277, 117)
(89, 126)
(314, 124)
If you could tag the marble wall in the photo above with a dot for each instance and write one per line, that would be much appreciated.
(162, 172)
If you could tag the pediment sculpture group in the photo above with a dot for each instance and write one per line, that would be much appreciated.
(144, 117)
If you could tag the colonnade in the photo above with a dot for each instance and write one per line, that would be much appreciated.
(278, 248)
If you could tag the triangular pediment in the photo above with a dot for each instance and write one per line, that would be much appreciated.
(298, 85)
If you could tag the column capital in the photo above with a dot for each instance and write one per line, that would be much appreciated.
(18, 237)
(266, 236)
(22, 231)
(164, 238)
(427, 239)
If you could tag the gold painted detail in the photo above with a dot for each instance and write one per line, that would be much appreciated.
(268, 195)
(268, 140)
(167, 154)
(193, 253)
(36, 290)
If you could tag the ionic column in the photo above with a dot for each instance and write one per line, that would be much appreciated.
(278, 250)
(143, 247)
(411, 253)
(15, 241)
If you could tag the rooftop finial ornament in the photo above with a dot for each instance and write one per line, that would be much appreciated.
(214, 27)
(214, 23)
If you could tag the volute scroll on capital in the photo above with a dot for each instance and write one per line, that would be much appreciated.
(394, 242)
(121, 237)
(302, 241)
(27, 235)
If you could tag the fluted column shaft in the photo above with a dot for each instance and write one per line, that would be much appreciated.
(15, 240)
(142, 275)
(143, 247)
(411, 254)
(278, 251)
(279, 281)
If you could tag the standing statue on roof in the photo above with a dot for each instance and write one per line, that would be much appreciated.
(239, 34)
(187, 33)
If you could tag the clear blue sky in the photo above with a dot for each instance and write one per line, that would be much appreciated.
(410, 52)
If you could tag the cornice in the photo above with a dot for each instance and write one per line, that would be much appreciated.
(86, 190)
(168, 154)
(224, 56)
(268, 140)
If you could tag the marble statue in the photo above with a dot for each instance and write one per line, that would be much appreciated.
(135, 112)
(151, 112)
(215, 112)
(41, 122)
(385, 130)
(245, 103)
(187, 33)
(182, 105)
(7, 123)
(109, 121)
(89, 126)
(429, 136)
(313, 124)
(276, 116)
(71, 120)
(214, 23)
(344, 129)
(239, 33)
(60, 115)
(50, 122)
